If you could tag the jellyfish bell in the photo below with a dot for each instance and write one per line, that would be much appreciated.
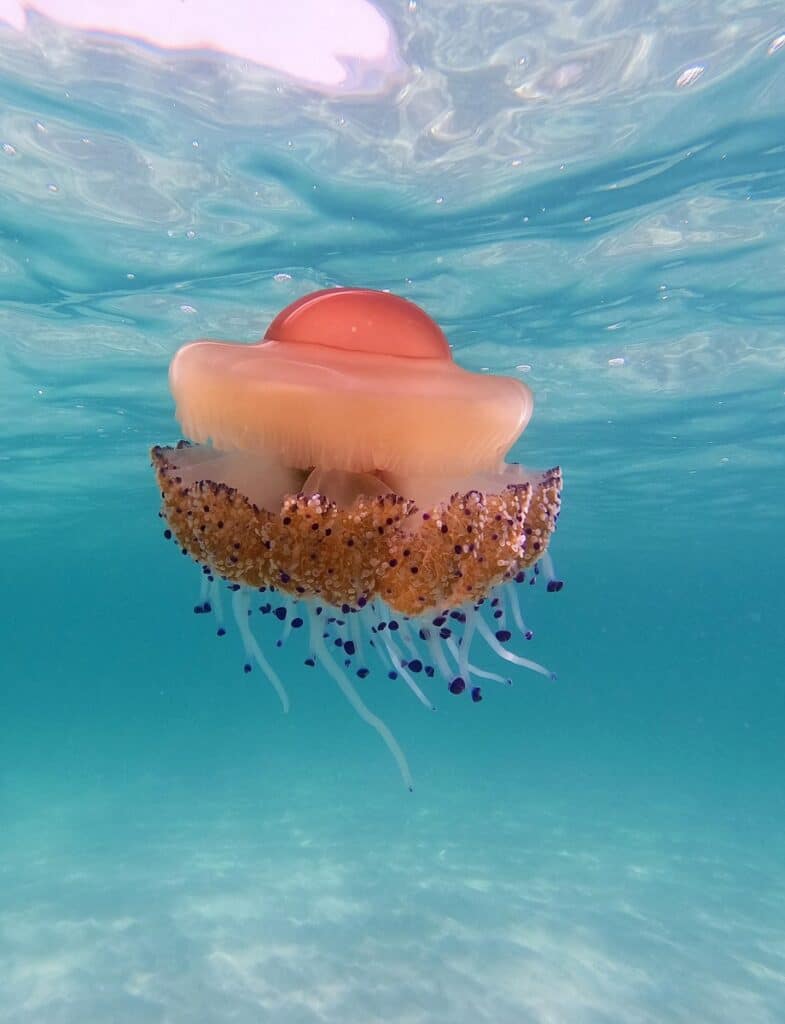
(350, 474)
(353, 380)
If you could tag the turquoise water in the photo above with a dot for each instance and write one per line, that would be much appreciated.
(605, 848)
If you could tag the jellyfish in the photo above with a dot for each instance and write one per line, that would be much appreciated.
(345, 483)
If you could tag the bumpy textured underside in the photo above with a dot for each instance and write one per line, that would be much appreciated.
(415, 559)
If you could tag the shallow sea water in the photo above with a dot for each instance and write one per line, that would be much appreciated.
(576, 203)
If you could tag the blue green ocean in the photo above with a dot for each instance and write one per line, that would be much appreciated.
(589, 197)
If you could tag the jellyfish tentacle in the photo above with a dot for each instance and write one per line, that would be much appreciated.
(414, 641)
(287, 620)
(400, 663)
(472, 670)
(356, 634)
(485, 674)
(552, 584)
(216, 602)
(241, 608)
(408, 637)
(464, 669)
(386, 645)
(514, 659)
(346, 688)
(497, 606)
(438, 655)
(397, 661)
(515, 608)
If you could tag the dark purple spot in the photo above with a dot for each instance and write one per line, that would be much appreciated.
(297, 623)
(445, 633)
(503, 635)
(476, 694)
(349, 647)
(457, 685)
(310, 662)
(554, 586)
(415, 665)
(220, 632)
(168, 534)
(392, 674)
(362, 673)
(246, 668)
(392, 625)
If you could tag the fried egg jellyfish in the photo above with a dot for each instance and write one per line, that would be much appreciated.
(346, 480)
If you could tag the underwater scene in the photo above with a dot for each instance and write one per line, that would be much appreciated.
(392, 465)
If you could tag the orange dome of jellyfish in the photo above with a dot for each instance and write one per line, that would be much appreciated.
(349, 478)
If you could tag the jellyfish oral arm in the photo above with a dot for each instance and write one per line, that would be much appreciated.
(334, 671)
